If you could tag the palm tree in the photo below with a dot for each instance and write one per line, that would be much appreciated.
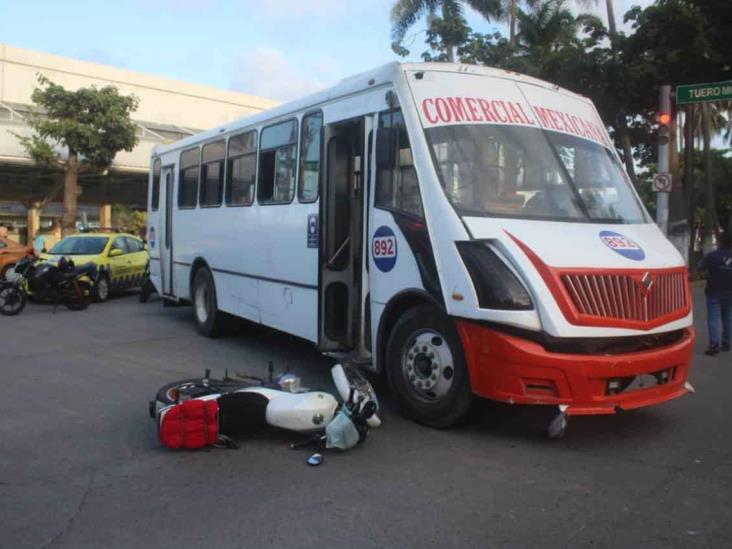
(610, 7)
(543, 31)
(406, 13)
(510, 10)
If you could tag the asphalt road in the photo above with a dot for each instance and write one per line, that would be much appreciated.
(81, 466)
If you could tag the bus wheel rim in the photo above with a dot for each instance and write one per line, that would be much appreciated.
(202, 304)
(428, 364)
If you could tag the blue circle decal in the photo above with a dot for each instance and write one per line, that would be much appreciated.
(622, 245)
(384, 249)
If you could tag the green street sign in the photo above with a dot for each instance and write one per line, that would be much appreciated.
(704, 93)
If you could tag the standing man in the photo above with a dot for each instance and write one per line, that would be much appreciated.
(718, 265)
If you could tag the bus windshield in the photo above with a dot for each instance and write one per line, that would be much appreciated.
(523, 172)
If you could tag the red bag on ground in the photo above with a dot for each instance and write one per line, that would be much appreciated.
(190, 424)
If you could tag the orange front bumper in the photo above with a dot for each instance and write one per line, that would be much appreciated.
(512, 369)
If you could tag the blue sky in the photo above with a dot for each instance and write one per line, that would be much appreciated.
(280, 49)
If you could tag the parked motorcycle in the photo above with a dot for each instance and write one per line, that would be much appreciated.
(52, 282)
(12, 298)
(218, 409)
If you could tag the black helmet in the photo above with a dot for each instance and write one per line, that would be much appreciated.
(65, 265)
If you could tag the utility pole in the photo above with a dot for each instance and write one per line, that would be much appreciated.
(662, 180)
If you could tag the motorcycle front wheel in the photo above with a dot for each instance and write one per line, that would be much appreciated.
(81, 296)
(12, 301)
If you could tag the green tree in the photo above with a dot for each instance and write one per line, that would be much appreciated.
(543, 33)
(445, 22)
(510, 9)
(89, 126)
(677, 42)
(127, 219)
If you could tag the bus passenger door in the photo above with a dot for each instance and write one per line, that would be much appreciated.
(166, 238)
(341, 234)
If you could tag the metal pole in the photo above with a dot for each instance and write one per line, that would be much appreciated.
(662, 201)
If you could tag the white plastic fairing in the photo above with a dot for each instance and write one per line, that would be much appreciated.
(301, 411)
(341, 381)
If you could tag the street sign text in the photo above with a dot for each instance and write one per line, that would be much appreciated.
(703, 93)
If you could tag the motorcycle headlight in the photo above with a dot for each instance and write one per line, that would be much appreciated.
(495, 284)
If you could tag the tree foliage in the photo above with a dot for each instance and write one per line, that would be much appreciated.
(447, 27)
(89, 126)
(91, 122)
(669, 42)
(128, 219)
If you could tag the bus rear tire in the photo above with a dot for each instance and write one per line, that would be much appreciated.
(427, 370)
(209, 320)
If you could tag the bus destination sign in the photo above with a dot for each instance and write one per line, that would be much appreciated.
(703, 93)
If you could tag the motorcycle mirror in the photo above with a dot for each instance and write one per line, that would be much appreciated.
(315, 459)
(369, 409)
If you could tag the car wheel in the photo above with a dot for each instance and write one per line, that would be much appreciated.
(426, 368)
(100, 291)
(209, 320)
(146, 290)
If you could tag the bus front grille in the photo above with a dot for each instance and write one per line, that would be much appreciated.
(642, 297)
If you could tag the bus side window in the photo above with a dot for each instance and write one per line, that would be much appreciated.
(307, 190)
(397, 187)
(277, 159)
(188, 180)
(241, 169)
(212, 174)
(155, 191)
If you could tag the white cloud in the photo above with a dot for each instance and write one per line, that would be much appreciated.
(267, 72)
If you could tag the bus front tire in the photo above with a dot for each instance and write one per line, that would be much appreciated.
(209, 320)
(427, 370)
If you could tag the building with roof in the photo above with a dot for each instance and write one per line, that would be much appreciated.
(30, 195)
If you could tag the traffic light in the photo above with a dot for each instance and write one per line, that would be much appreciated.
(664, 131)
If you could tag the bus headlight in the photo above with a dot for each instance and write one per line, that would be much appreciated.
(495, 284)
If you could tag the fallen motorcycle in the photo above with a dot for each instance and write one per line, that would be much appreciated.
(195, 413)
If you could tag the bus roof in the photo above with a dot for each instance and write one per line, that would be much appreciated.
(373, 78)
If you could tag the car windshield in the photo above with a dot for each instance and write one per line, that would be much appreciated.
(80, 245)
(514, 171)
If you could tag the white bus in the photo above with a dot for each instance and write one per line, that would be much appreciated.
(465, 230)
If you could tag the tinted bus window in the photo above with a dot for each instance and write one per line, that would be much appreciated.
(188, 180)
(277, 157)
(308, 181)
(212, 174)
(155, 191)
(241, 169)
(397, 187)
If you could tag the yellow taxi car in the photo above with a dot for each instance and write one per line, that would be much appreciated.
(122, 259)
